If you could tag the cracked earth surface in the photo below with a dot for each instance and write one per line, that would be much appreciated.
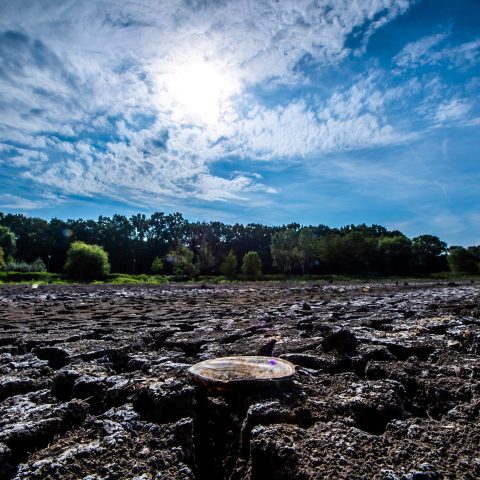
(94, 384)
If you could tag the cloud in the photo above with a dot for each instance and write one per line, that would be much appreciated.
(419, 52)
(263, 38)
(268, 134)
(15, 202)
(21, 157)
(354, 117)
(85, 97)
(451, 110)
(429, 51)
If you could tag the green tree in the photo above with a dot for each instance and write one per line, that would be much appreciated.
(306, 246)
(252, 265)
(429, 254)
(116, 236)
(229, 265)
(181, 260)
(2, 258)
(7, 241)
(395, 254)
(461, 260)
(285, 252)
(31, 237)
(157, 265)
(475, 251)
(350, 253)
(86, 261)
(206, 259)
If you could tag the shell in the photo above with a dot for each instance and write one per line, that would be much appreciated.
(241, 371)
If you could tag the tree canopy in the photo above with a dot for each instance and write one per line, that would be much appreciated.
(462, 260)
(252, 265)
(188, 248)
(7, 241)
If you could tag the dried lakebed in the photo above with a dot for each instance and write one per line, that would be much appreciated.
(94, 382)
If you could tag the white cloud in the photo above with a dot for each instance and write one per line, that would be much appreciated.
(263, 38)
(21, 157)
(8, 200)
(82, 78)
(452, 110)
(428, 51)
(268, 134)
(419, 52)
(350, 119)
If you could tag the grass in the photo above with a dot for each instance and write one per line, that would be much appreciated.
(144, 279)
(31, 277)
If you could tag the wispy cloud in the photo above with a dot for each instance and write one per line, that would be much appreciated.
(451, 110)
(419, 52)
(8, 200)
(433, 50)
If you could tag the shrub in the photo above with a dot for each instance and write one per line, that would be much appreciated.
(157, 265)
(21, 266)
(38, 265)
(229, 265)
(17, 266)
(86, 261)
(252, 265)
(182, 262)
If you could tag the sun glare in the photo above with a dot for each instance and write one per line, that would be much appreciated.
(201, 90)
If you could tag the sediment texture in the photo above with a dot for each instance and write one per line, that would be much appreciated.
(93, 382)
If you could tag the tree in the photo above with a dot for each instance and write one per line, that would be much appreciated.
(461, 260)
(350, 253)
(206, 259)
(116, 236)
(395, 254)
(229, 265)
(157, 265)
(31, 237)
(306, 246)
(86, 261)
(286, 255)
(429, 254)
(7, 241)
(475, 251)
(2, 258)
(181, 260)
(252, 237)
(252, 265)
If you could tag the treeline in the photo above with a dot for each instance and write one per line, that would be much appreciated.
(162, 243)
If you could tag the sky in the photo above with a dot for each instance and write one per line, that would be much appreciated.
(318, 112)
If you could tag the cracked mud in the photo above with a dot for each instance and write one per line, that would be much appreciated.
(94, 385)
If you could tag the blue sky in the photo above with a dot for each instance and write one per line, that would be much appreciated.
(332, 111)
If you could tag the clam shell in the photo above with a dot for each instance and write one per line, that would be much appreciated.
(241, 371)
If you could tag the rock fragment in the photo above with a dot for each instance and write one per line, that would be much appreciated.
(343, 341)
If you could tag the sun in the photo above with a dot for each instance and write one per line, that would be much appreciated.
(201, 90)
